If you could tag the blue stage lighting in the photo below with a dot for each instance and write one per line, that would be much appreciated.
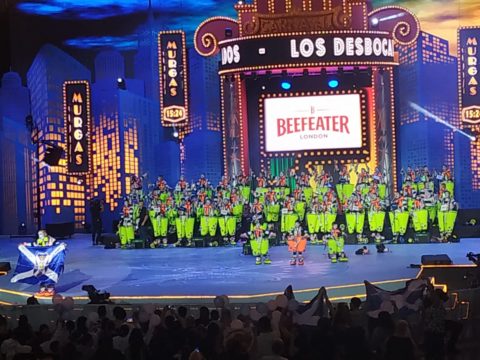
(333, 83)
(286, 85)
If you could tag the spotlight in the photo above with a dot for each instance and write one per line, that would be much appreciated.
(333, 83)
(286, 85)
(175, 132)
(305, 72)
(228, 33)
(22, 229)
(240, 2)
(79, 182)
(263, 87)
(375, 21)
(121, 84)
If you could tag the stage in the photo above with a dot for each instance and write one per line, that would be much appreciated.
(195, 275)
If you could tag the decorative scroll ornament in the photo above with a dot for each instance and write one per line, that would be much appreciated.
(297, 21)
(210, 32)
(402, 23)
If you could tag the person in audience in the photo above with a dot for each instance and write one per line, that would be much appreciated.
(316, 330)
(400, 345)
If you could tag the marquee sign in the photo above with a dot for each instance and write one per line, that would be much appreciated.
(332, 19)
(333, 48)
(469, 74)
(76, 101)
(173, 78)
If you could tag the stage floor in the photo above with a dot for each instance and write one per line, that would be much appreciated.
(172, 274)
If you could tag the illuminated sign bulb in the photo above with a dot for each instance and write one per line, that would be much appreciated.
(333, 83)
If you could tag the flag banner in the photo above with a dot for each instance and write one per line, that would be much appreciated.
(39, 264)
(404, 301)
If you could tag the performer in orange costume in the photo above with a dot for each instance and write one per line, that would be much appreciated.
(297, 243)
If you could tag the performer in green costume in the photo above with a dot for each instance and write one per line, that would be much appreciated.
(227, 222)
(259, 243)
(126, 228)
(447, 215)
(355, 215)
(398, 215)
(376, 214)
(335, 243)
(419, 215)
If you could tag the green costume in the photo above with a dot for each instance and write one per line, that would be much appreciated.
(344, 191)
(336, 251)
(355, 221)
(432, 213)
(237, 212)
(300, 209)
(446, 220)
(308, 193)
(332, 249)
(314, 223)
(208, 225)
(259, 244)
(245, 192)
(399, 222)
(327, 219)
(126, 232)
(281, 192)
(376, 220)
(449, 185)
(426, 185)
(185, 225)
(261, 191)
(288, 221)
(228, 225)
(272, 212)
(382, 191)
(155, 224)
(420, 219)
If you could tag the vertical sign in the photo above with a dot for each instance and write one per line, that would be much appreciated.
(469, 74)
(172, 57)
(76, 102)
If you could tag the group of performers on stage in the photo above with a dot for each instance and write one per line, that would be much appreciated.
(299, 206)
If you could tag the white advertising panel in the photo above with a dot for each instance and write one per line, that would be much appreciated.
(313, 123)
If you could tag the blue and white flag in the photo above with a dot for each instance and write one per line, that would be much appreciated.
(39, 264)
(404, 301)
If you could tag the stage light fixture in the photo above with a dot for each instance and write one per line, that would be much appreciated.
(175, 132)
(29, 123)
(121, 84)
(228, 33)
(286, 85)
(375, 21)
(305, 72)
(333, 83)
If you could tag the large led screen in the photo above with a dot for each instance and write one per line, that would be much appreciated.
(313, 123)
